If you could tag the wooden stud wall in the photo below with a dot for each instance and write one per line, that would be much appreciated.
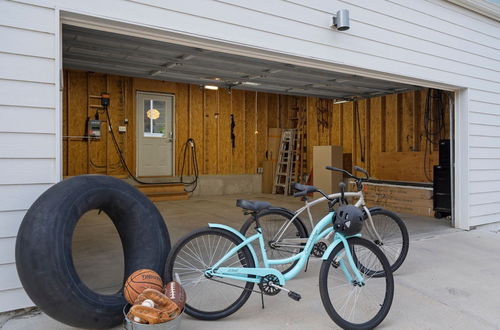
(383, 134)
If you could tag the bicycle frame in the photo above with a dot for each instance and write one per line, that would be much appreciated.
(321, 230)
(360, 203)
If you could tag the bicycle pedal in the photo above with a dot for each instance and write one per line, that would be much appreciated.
(294, 295)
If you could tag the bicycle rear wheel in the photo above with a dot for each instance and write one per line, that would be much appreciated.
(209, 298)
(350, 305)
(395, 240)
(271, 221)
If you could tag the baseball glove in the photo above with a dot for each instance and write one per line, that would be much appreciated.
(164, 308)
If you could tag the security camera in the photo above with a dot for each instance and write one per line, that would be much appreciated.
(341, 20)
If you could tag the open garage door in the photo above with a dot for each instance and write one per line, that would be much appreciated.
(230, 104)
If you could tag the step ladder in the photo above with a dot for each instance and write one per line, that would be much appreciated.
(285, 164)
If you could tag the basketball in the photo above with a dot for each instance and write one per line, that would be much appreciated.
(139, 281)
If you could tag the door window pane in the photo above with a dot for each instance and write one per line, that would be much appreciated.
(154, 118)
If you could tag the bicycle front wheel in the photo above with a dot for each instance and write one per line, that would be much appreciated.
(209, 298)
(395, 240)
(349, 304)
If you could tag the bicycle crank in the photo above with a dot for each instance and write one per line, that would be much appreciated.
(294, 295)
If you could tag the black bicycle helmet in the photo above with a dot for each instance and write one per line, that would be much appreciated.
(348, 220)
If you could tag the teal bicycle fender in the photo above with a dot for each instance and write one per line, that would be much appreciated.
(333, 245)
(237, 233)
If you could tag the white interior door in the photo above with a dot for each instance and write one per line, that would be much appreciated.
(155, 134)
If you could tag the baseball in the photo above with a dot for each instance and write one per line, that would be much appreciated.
(148, 302)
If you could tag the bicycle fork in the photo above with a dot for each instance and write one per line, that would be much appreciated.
(355, 277)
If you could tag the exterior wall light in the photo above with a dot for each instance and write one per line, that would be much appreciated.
(341, 20)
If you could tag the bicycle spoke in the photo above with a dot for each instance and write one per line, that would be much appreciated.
(197, 254)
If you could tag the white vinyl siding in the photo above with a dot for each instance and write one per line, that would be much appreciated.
(28, 154)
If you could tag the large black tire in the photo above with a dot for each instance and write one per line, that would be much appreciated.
(271, 219)
(395, 239)
(43, 247)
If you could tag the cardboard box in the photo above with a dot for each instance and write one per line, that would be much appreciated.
(326, 180)
(268, 176)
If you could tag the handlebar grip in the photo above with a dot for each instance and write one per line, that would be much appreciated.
(300, 193)
(331, 168)
(362, 170)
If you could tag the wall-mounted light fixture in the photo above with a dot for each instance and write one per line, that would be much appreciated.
(211, 87)
(341, 20)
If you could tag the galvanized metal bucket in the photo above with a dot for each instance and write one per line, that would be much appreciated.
(170, 325)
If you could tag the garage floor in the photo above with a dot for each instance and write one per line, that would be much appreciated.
(448, 280)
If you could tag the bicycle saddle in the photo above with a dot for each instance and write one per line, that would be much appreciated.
(303, 189)
(252, 205)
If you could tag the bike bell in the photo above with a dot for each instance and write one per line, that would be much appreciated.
(348, 220)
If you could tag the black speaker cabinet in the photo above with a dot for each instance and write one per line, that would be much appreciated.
(442, 191)
(444, 152)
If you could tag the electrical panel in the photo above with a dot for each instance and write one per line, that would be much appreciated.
(94, 128)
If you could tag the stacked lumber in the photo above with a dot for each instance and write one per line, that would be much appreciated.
(164, 192)
(400, 199)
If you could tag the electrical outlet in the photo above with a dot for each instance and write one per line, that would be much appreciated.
(122, 129)
(260, 170)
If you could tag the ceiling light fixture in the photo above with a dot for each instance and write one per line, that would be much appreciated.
(163, 68)
(155, 73)
(339, 101)
(250, 83)
(211, 87)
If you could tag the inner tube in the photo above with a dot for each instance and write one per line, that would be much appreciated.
(43, 247)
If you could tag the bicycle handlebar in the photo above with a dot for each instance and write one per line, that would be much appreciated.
(356, 168)
(300, 193)
(362, 170)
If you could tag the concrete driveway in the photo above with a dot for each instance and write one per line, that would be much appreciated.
(448, 281)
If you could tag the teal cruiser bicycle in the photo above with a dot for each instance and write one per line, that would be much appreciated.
(218, 267)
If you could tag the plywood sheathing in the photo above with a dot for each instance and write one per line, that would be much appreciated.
(390, 127)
